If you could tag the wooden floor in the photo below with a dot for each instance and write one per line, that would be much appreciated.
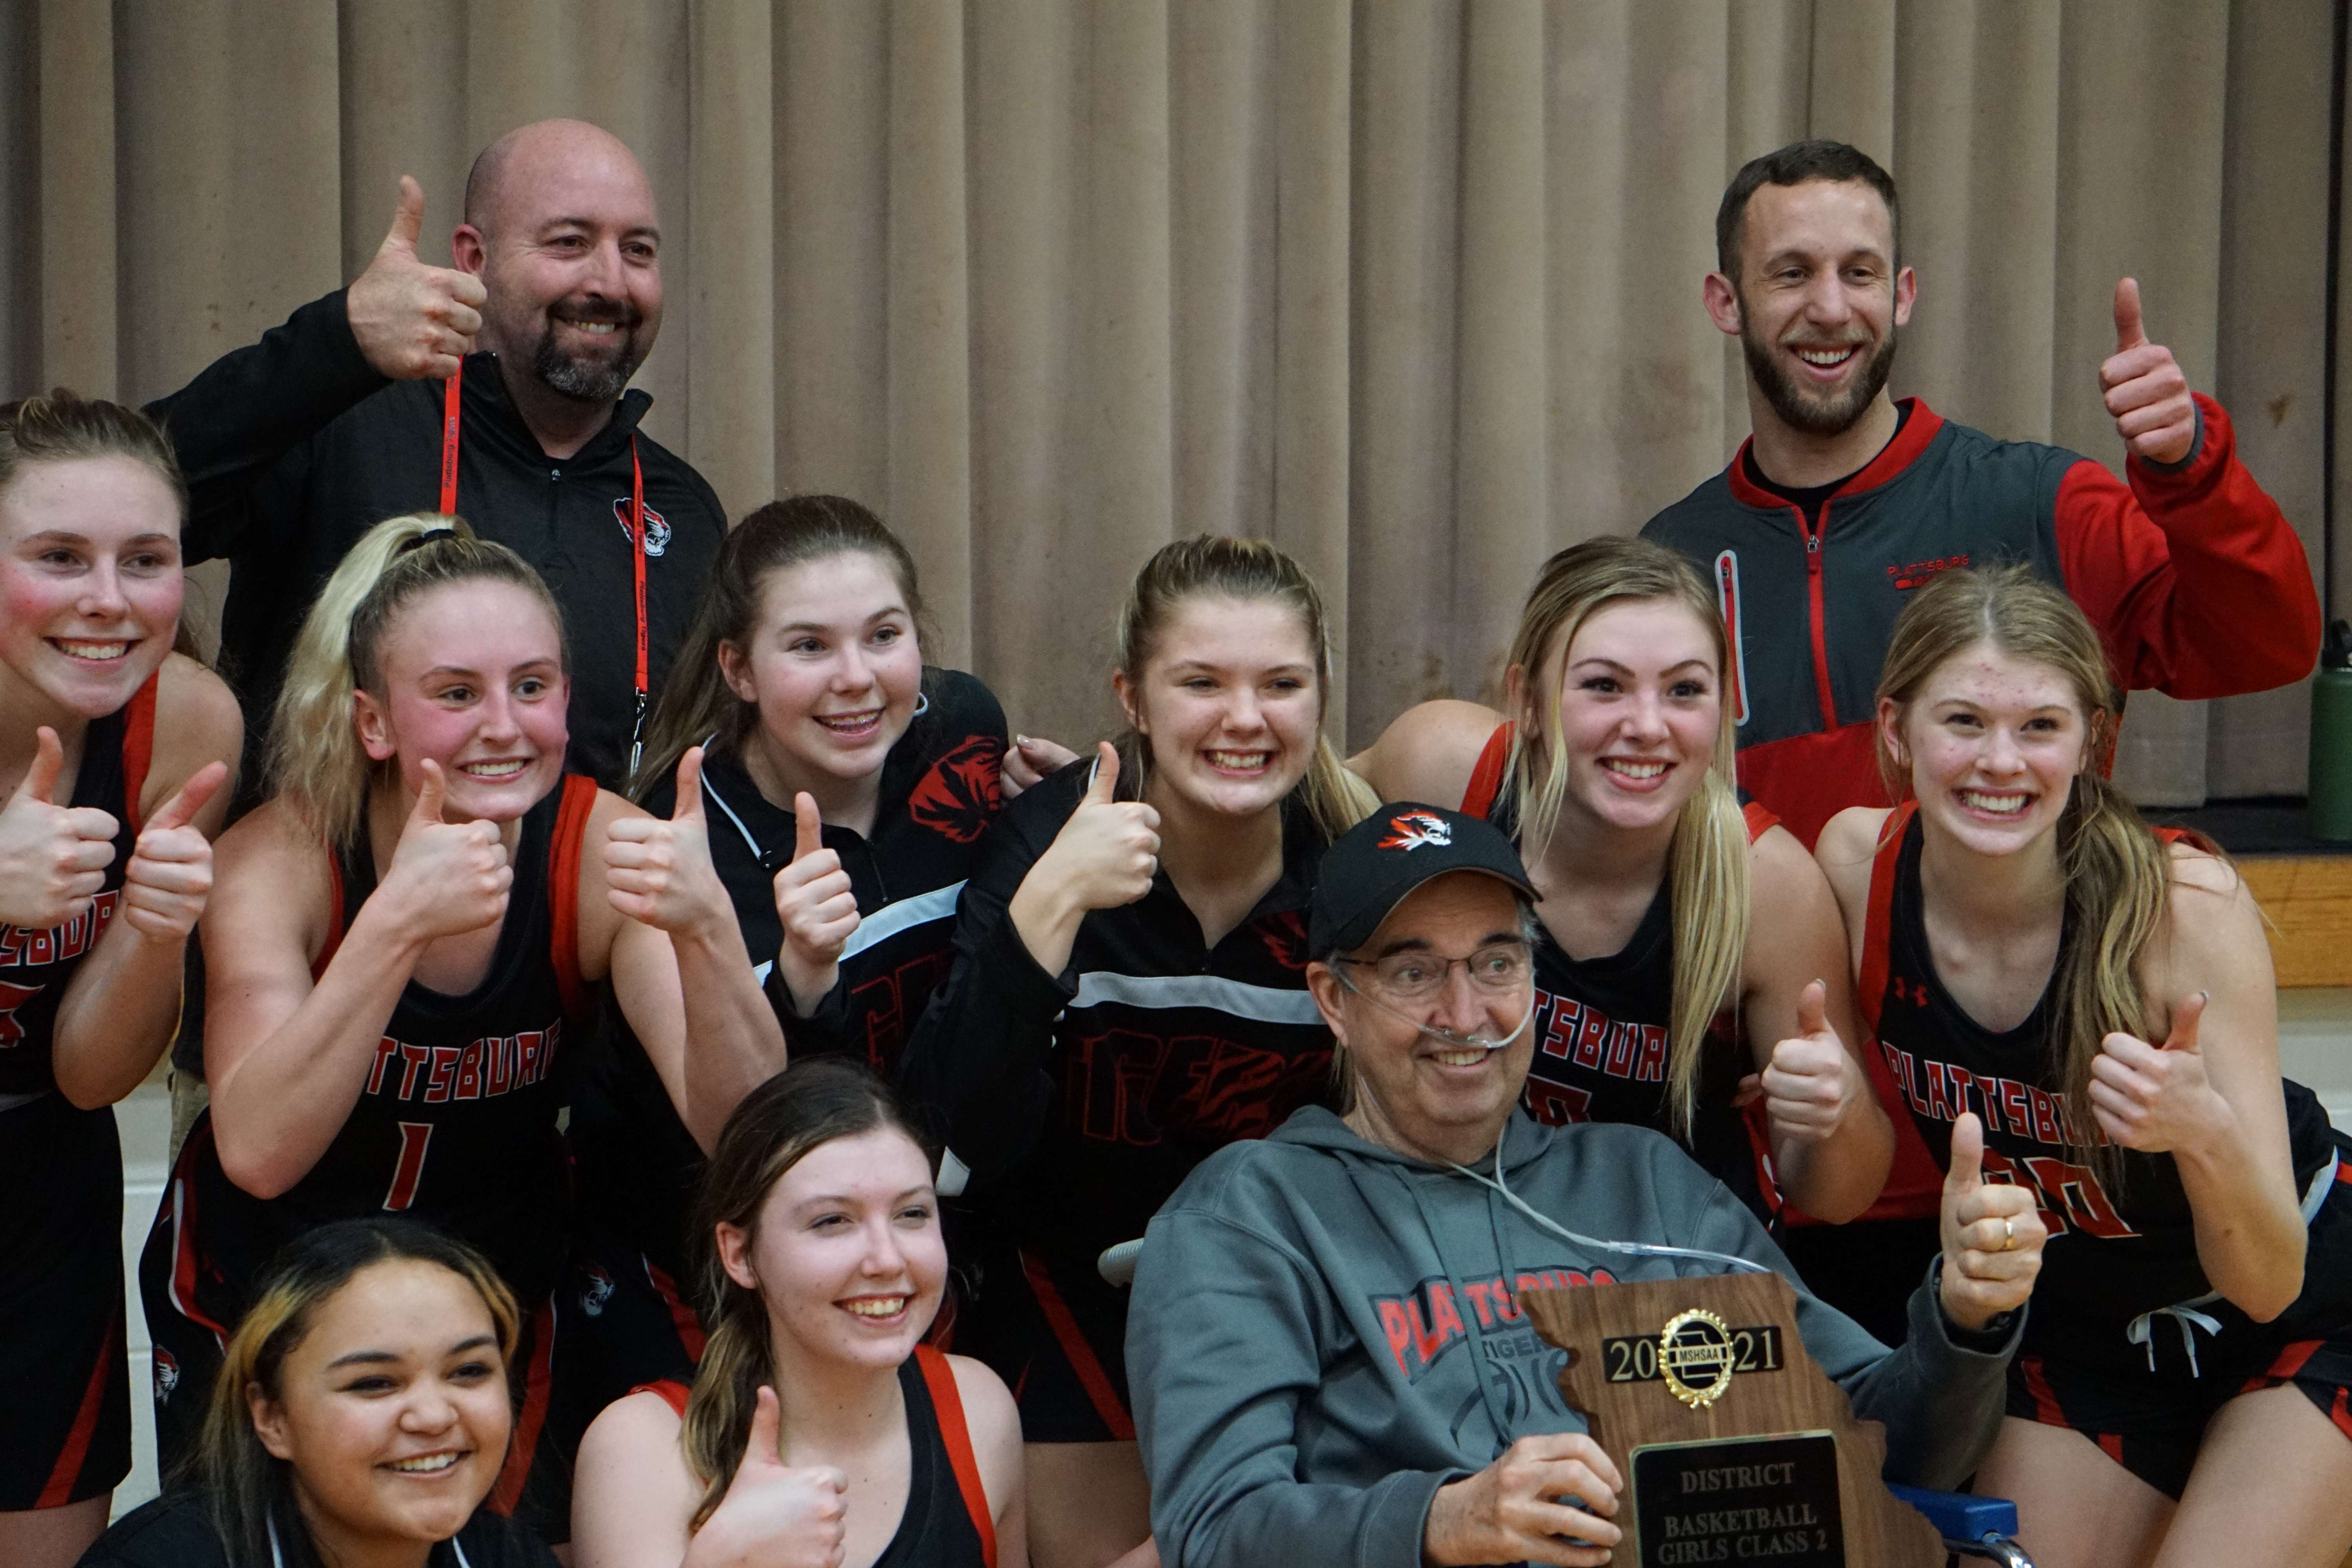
(2308, 903)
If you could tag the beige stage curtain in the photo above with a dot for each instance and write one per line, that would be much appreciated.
(1410, 287)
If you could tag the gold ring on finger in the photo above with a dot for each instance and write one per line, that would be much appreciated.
(2008, 1233)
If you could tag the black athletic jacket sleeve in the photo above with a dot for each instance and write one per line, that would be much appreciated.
(251, 407)
(976, 1065)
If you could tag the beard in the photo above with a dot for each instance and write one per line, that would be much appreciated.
(1801, 406)
(591, 375)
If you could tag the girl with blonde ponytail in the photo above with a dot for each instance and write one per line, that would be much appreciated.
(1692, 961)
(2082, 1004)
(819, 1430)
(401, 951)
(1129, 994)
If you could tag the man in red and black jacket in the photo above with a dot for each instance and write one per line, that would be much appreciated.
(1845, 500)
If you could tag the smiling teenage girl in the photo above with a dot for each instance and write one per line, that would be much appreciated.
(113, 751)
(846, 786)
(1614, 775)
(2032, 951)
(360, 1417)
(401, 946)
(1129, 995)
(819, 1434)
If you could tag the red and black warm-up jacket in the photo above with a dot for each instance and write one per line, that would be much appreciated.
(2197, 583)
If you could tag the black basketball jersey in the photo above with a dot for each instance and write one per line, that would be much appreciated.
(35, 965)
(1603, 1024)
(455, 1122)
(2117, 1248)
(946, 1523)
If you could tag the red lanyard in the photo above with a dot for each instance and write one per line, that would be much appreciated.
(449, 419)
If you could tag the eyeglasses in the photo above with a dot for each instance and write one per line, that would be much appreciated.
(1500, 969)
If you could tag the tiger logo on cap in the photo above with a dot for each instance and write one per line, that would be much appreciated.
(1411, 830)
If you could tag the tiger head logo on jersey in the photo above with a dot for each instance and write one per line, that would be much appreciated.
(658, 529)
(1409, 830)
(960, 794)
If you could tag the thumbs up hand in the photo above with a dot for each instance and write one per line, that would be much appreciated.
(53, 859)
(2157, 1099)
(2146, 390)
(1108, 850)
(660, 872)
(1992, 1236)
(171, 872)
(816, 907)
(1811, 1081)
(774, 1515)
(412, 321)
(446, 878)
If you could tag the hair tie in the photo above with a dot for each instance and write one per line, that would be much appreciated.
(430, 536)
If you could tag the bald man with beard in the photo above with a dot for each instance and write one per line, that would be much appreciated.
(334, 421)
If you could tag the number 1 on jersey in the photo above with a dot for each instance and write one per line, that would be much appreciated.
(410, 1170)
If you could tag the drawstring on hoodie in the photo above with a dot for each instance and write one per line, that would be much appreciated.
(1633, 1248)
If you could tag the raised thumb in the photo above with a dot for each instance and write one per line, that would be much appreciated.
(2185, 1017)
(2130, 334)
(808, 826)
(1967, 1172)
(688, 805)
(181, 807)
(766, 1445)
(407, 220)
(1814, 1010)
(429, 791)
(1103, 787)
(48, 760)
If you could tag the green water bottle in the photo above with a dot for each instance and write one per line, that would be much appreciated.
(2331, 737)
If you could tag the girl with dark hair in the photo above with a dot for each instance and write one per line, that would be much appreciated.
(2099, 994)
(403, 942)
(113, 751)
(846, 785)
(820, 1430)
(1658, 990)
(1129, 994)
(360, 1416)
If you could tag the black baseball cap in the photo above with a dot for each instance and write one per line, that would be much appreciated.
(1376, 863)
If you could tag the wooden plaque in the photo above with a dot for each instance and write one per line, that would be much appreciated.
(1733, 1446)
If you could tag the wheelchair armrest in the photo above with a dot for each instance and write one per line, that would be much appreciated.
(1958, 1516)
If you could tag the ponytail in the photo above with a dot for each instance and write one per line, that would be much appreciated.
(316, 763)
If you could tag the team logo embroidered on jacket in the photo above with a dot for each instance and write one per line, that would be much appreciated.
(1409, 830)
(960, 795)
(656, 527)
(1917, 575)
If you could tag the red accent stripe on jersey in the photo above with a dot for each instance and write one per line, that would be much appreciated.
(2111, 1444)
(681, 1316)
(1487, 778)
(1870, 984)
(2290, 1358)
(68, 1471)
(2045, 1402)
(139, 746)
(1761, 819)
(334, 919)
(669, 1391)
(947, 1404)
(533, 1415)
(182, 1284)
(1091, 1376)
(563, 891)
(2340, 1413)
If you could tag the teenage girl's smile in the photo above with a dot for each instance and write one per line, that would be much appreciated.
(1638, 711)
(1993, 745)
(886, 1311)
(89, 578)
(1228, 702)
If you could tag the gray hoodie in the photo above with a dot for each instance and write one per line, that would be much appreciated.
(1324, 1333)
